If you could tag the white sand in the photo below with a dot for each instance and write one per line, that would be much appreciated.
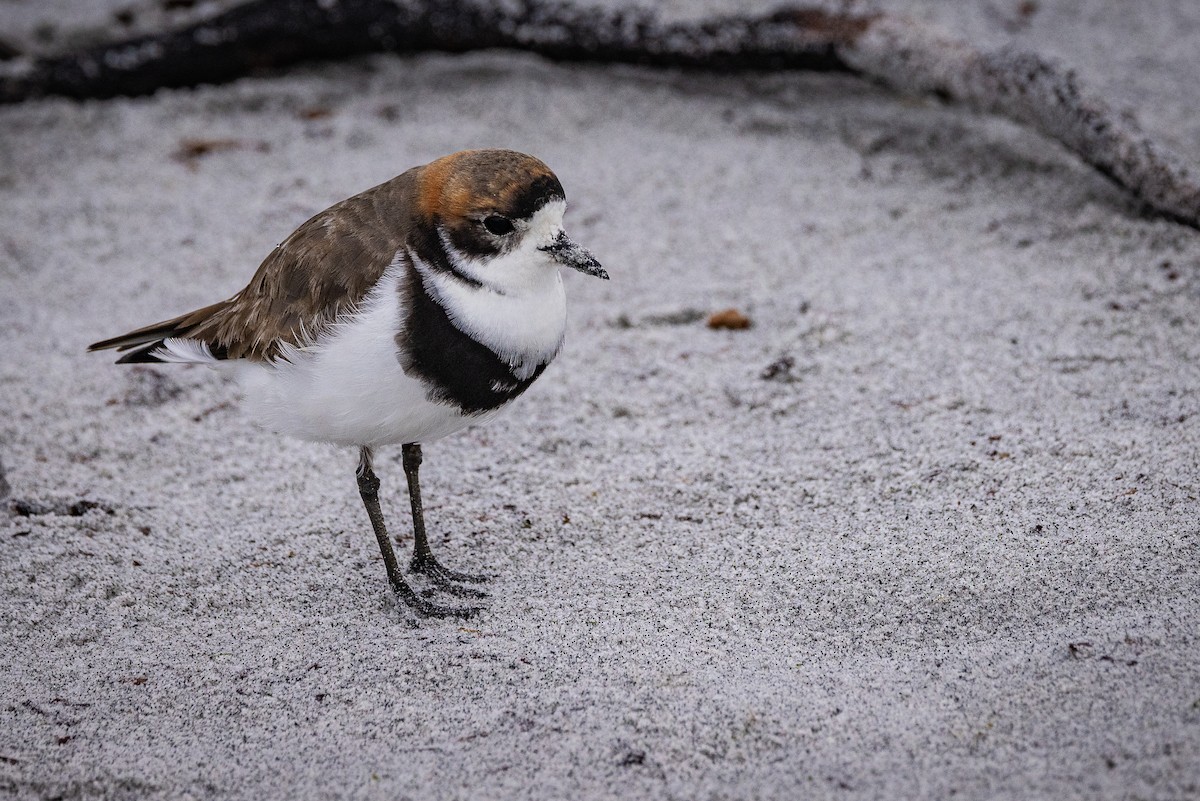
(952, 550)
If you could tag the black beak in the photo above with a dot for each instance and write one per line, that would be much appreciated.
(567, 253)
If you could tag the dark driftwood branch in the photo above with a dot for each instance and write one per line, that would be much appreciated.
(890, 50)
(271, 33)
(1036, 92)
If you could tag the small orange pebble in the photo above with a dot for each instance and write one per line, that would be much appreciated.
(732, 319)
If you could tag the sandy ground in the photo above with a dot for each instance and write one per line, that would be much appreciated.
(948, 548)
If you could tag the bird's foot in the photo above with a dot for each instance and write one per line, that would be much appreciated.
(424, 608)
(447, 579)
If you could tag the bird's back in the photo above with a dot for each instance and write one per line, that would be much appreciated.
(310, 280)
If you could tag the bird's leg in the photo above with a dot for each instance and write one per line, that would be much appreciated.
(368, 488)
(423, 560)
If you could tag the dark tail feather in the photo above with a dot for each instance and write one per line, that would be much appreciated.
(148, 338)
(143, 355)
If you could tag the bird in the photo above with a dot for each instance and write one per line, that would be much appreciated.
(398, 316)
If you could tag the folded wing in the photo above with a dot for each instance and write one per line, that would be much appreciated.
(316, 275)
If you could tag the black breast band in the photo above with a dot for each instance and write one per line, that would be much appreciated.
(455, 368)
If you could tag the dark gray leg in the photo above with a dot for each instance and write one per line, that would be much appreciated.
(368, 488)
(422, 560)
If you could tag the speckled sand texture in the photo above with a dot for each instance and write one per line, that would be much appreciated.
(948, 549)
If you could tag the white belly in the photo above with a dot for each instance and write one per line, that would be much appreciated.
(348, 388)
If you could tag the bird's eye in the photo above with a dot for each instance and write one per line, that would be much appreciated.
(498, 225)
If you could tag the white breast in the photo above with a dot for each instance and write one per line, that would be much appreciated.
(523, 323)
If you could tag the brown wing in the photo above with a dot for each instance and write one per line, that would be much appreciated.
(318, 273)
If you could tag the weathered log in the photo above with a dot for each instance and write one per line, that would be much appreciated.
(890, 50)
(273, 33)
(1036, 92)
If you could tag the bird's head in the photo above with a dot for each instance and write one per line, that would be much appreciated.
(498, 217)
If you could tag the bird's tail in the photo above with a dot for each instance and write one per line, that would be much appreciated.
(180, 339)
